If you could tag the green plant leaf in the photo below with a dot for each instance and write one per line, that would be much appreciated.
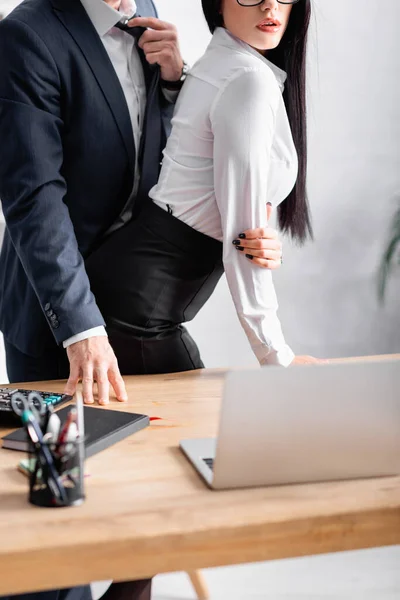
(389, 258)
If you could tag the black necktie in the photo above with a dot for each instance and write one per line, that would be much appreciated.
(151, 140)
(135, 31)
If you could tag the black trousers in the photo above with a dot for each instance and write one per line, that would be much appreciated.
(148, 278)
(129, 590)
(78, 593)
(53, 364)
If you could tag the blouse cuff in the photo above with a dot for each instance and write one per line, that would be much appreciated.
(282, 357)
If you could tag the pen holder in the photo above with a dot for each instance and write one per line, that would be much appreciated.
(68, 470)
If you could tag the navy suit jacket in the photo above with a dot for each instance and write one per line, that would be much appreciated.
(66, 167)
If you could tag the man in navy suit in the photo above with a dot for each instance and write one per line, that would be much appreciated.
(72, 122)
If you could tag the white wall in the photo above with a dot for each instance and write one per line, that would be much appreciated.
(327, 290)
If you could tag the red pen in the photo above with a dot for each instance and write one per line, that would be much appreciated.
(71, 418)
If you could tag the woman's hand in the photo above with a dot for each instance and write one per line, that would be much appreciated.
(262, 246)
(308, 360)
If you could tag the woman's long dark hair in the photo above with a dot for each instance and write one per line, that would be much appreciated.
(293, 214)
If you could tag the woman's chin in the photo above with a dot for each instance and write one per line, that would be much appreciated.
(264, 50)
(265, 45)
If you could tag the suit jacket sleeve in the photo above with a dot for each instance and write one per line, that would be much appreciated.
(32, 188)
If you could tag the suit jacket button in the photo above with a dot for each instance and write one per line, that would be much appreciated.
(50, 313)
(55, 324)
(47, 307)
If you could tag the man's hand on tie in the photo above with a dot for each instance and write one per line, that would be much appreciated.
(93, 360)
(161, 46)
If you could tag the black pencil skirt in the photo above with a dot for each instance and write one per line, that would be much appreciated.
(148, 278)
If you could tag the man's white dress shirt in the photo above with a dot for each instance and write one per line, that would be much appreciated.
(229, 154)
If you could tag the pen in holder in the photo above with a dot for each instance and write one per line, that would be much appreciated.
(56, 452)
(66, 487)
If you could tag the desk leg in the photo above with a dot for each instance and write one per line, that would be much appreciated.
(199, 584)
(129, 590)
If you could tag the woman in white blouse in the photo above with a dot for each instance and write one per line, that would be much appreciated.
(237, 144)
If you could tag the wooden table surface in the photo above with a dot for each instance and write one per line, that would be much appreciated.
(148, 512)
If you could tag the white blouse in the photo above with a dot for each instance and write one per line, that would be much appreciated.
(229, 154)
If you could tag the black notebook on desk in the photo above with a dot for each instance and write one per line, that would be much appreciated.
(103, 428)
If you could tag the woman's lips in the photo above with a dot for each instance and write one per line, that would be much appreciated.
(268, 28)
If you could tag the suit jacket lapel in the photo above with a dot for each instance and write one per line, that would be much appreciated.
(75, 19)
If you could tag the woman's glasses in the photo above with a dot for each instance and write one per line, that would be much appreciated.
(258, 2)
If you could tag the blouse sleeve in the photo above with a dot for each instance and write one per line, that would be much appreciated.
(243, 124)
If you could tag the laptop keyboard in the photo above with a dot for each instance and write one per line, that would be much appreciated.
(209, 462)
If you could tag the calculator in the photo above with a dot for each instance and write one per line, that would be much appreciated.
(8, 418)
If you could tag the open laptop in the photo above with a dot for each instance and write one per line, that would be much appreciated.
(303, 424)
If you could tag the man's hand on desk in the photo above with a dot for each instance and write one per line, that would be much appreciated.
(93, 360)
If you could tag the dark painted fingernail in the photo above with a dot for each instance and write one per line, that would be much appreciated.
(236, 242)
(250, 256)
(240, 248)
(242, 236)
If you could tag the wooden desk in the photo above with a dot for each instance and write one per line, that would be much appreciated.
(148, 512)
